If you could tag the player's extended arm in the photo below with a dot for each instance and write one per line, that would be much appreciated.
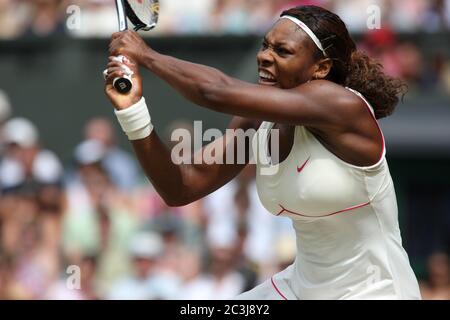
(309, 104)
(336, 115)
(180, 184)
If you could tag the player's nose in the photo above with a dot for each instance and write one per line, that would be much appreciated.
(264, 57)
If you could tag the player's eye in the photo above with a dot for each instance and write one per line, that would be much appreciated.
(282, 51)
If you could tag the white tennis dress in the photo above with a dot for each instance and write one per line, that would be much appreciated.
(346, 221)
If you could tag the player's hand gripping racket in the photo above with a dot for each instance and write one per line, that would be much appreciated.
(143, 14)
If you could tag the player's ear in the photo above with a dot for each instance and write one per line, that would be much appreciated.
(323, 68)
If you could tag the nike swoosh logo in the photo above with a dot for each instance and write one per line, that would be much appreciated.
(299, 169)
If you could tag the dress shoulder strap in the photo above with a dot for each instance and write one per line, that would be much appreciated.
(362, 97)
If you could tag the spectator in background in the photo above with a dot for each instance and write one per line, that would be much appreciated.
(185, 17)
(46, 18)
(99, 219)
(99, 19)
(410, 62)
(5, 277)
(380, 44)
(169, 225)
(119, 164)
(31, 206)
(437, 286)
(261, 14)
(437, 74)
(27, 166)
(87, 290)
(88, 273)
(223, 281)
(229, 16)
(146, 282)
(36, 267)
(281, 5)
(437, 16)
(353, 13)
(399, 59)
(404, 15)
(27, 241)
(190, 272)
(24, 158)
(14, 17)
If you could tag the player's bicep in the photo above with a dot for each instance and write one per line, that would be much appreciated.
(308, 104)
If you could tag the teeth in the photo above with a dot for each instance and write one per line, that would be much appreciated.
(266, 75)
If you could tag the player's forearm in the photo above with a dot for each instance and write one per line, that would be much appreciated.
(155, 159)
(195, 82)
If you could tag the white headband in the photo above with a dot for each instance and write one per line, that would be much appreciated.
(308, 31)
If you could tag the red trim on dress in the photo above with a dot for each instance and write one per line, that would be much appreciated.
(372, 113)
(283, 209)
(275, 287)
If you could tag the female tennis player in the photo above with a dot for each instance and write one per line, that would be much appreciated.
(332, 177)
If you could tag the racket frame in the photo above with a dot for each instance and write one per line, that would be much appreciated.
(123, 84)
(124, 11)
(121, 15)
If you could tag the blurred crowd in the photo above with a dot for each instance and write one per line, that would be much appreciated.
(97, 18)
(423, 68)
(95, 229)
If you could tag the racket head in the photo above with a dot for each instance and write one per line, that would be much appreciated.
(143, 14)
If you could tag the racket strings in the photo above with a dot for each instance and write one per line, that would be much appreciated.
(143, 14)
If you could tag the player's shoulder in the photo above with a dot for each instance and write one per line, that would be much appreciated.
(335, 95)
(330, 89)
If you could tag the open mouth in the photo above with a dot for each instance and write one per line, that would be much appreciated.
(266, 78)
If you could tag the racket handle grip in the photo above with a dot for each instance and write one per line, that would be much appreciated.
(123, 84)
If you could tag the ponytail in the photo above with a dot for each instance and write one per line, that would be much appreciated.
(366, 76)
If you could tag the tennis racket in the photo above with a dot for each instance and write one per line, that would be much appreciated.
(143, 15)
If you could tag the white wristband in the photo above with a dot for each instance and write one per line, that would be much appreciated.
(135, 120)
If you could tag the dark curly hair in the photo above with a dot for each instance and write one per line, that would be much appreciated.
(351, 67)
